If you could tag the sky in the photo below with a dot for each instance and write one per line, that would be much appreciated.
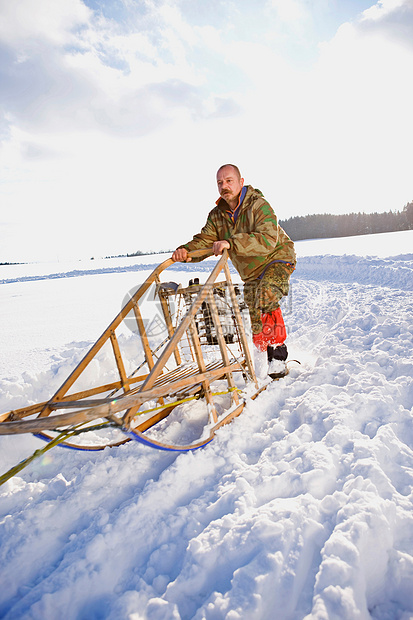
(115, 115)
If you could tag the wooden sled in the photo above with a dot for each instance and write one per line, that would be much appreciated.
(204, 345)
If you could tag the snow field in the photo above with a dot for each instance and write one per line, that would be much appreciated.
(299, 509)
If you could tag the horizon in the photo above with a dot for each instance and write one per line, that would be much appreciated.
(308, 243)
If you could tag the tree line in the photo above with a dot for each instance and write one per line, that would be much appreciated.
(347, 225)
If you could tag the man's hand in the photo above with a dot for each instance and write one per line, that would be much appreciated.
(219, 246)
(181, 256)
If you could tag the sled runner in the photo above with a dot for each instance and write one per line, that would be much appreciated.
(193, 348)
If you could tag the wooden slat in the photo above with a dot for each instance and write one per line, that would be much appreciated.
(142, 332)
(210, 375)
(119, 362)
(169, 379)
(222, 345)
(202, 368)
(240, 325)
(176, 373)
(107, 410)
(77, 396)
(168, 322)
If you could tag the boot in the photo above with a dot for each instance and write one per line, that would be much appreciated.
(276, 361)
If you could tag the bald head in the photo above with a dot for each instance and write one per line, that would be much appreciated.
(235, 169)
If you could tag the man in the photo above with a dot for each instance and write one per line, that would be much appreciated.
(244, 223)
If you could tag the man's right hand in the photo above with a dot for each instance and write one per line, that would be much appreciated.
(181, 256)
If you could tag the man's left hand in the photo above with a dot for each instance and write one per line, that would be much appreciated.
(219, 246)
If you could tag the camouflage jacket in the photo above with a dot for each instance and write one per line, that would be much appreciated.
(256, 239)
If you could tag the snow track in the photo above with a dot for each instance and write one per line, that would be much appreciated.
(299, 509)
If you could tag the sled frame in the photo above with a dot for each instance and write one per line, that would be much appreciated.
(157, 383)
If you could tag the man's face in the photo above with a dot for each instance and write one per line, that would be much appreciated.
(229, 184)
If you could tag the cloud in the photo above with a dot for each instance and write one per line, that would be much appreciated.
(38, 84)
(155, 105)
(25, 23)
(36, 151)
(291, 10)
(71, 69)
(392, 19)
(225, 108)
(43, 91)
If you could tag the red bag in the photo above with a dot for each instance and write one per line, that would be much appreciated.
(273, 330)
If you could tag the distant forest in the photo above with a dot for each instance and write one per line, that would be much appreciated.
(348, 225)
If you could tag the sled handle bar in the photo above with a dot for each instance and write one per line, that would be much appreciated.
(198, 253)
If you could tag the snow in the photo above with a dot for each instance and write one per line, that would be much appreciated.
(383, 245)
(301, 508)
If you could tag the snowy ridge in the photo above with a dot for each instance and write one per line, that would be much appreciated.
(396, 272)
(301, 509)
